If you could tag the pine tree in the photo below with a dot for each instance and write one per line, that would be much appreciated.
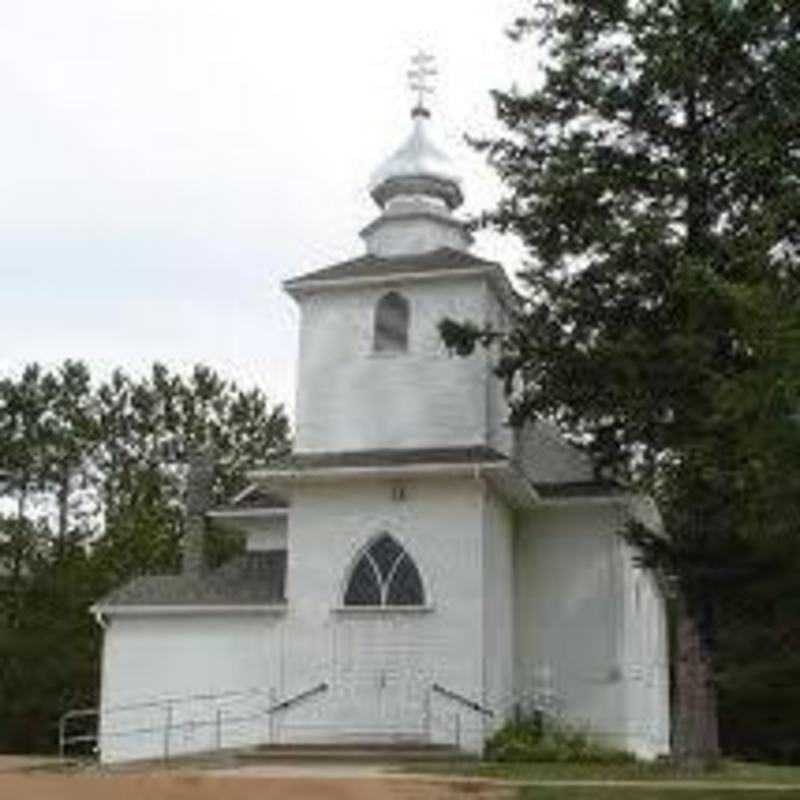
(97, 479)
(653, 178)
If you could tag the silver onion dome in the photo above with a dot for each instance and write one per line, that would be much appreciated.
(419, 167)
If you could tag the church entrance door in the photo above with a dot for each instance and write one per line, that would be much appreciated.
(381, 687)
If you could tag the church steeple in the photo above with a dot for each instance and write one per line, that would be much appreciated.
(417, 187)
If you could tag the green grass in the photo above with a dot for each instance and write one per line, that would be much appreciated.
(645, 793)
(728, 772)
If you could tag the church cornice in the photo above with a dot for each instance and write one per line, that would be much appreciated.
(312, 285)
(443, 258)
(478, 463)
(438, 265)
(186, 610)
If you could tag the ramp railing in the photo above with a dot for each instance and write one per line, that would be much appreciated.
(462, 702)
(215, 715)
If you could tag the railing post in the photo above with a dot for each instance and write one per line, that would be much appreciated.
(167, 729)
(427, 721)
(458, 730)
(218, 736)
(483, 716)
(62, 724)
(273, 701)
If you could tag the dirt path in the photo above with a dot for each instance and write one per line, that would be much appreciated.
(24, 779)
(17, 763)
(17, 786)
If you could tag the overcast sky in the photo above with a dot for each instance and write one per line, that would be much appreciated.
(165, 164)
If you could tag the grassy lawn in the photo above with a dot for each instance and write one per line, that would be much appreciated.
(645, 793)
(729, 772)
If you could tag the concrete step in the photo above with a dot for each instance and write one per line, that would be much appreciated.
(351, 751)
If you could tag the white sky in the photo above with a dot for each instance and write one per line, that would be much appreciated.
(165, 164)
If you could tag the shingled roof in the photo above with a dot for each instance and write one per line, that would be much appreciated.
(254, 578)
(445, 258)
(569, 491)
(253, 499)
(547, 458)
(389, 458)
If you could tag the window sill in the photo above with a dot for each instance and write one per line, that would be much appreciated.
(382, 609)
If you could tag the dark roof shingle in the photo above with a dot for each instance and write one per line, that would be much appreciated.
(254, 498)
(389, 458)
(444, 258)
(254, 578)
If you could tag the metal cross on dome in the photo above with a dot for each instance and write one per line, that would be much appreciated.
(419, 75)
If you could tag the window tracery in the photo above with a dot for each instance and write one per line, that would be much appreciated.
(384, 575)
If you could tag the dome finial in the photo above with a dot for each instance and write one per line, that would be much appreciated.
(417, 187)
(423, 69)
(419, 169)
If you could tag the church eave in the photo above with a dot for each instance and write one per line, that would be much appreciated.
(494, 276)
(301, 286)
(512, 484)
(250, 513)
(441, 258)
(582, 492)
(274, 477)
(187, 609)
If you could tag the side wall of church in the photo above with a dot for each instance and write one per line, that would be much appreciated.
(381, 664)
(581, 648)
(149, 659)
(645, 661)
(350, 397)
(498, 607)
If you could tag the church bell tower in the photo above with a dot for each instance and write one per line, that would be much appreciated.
(373, 373)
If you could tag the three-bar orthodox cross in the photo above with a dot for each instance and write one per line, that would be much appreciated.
(419, 77)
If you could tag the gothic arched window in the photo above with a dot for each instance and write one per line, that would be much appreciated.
(384, 575)
(391, 323)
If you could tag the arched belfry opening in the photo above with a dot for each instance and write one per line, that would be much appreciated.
(384, 574)
(392, 316)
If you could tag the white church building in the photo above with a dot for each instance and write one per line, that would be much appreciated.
(416, 571)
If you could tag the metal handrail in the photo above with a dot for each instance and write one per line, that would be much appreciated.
(465, 701)
(64, 740)
(298, 698)
(186, 698)
(194, 723)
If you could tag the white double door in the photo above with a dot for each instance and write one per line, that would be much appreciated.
(380, 687)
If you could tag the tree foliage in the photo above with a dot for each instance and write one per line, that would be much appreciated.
(92, 492)
(653, 176)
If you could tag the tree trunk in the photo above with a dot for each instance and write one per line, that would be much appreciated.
(696, 740)
(63, 511)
